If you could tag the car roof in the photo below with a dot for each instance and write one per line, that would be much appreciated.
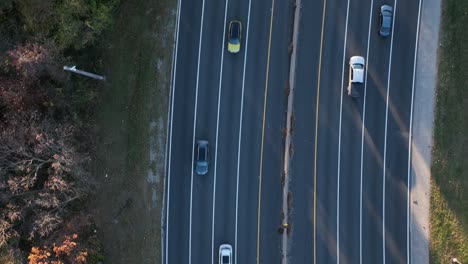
(386, 23)
(358, 74)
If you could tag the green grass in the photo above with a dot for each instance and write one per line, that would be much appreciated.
(449, 192)
(138, 66)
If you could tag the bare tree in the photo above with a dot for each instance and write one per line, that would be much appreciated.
(6, 231)
(41, 173)
(45, 223)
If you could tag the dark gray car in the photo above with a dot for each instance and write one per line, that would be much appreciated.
(202, 156)
(385, 19)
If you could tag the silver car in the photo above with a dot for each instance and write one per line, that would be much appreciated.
(385, 20)
(225, 254)
(201, 165)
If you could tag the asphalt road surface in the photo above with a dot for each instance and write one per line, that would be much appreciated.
(349, 168)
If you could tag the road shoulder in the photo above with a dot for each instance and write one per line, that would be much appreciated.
(422, 129)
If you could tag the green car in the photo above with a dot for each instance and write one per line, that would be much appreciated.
(234, 36)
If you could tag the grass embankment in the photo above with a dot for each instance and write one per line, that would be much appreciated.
(449, 193)
(133, 128)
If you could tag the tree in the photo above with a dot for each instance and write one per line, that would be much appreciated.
(69, 250)
(33, 61)
(41, 174)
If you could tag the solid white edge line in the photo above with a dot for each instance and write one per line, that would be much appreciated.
(240, 130)
(339, 141)
(385, 140)
(170, 115)
(363, 129)
(217, 130)
(408, 261)
(194, 130)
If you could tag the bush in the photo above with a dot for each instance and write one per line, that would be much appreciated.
(71, 24)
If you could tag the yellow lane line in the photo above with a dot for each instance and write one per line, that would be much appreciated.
(316, 131)
(263, 133)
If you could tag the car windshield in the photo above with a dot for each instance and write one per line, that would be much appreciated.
(358, 66)
(225, 259)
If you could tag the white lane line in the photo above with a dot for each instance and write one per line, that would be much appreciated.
(339, 142)
(385, 140)
(363, 130)
(240, 129)
(169, 128)
(410, 142)
(194, 130)
(217, 130)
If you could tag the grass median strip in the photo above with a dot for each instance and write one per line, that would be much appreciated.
(449, 196)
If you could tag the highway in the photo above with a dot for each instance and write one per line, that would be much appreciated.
(350, 157)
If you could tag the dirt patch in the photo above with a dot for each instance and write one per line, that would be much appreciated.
(132, 132)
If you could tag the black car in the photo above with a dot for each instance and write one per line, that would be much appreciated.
(202, 156)
(385, 19)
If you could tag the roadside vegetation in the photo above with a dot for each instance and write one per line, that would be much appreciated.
(82, 161)
(449, 193)
(133, 124)
(47, 137)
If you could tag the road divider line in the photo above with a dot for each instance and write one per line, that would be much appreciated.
(363, 131)
(217, 132)
(263, 132)
(316, 130)
(339, 141)
(170, 115)
(385, 140)
(240, 130)
(408, 215)
(194, 130)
